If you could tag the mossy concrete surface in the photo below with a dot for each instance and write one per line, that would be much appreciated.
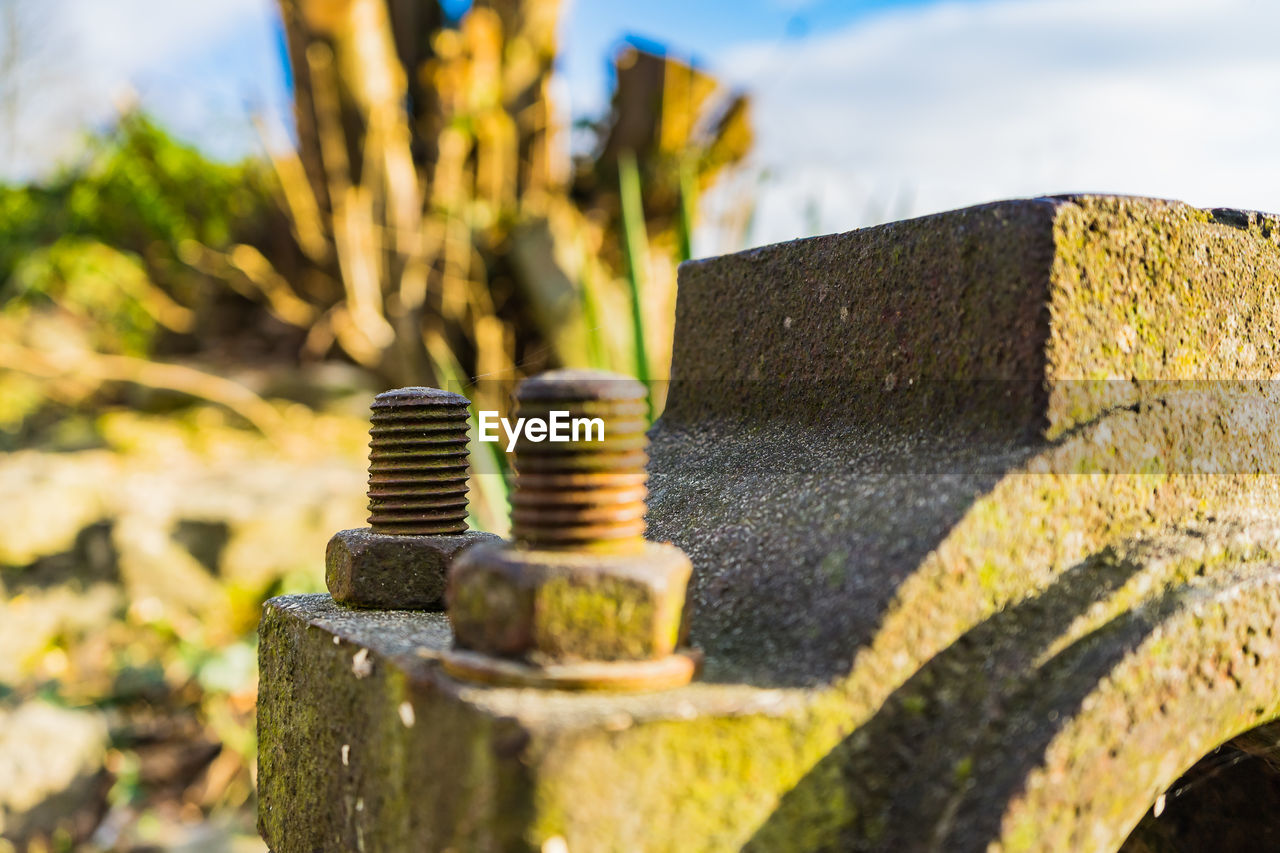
(981, 512)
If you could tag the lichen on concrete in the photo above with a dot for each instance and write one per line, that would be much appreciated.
(980, 512)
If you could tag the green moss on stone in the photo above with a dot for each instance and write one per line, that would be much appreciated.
(1017, 640)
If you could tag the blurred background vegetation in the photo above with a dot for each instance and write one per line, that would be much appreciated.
(188, 349)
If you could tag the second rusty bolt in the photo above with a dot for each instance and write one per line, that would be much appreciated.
(579, 599)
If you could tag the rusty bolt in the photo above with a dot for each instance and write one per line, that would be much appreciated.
(587, 494)
(417, 505)
(418, 462)
(579, 599)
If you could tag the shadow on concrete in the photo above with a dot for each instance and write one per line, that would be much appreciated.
(934, 768)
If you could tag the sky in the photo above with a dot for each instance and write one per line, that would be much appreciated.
(865, 110)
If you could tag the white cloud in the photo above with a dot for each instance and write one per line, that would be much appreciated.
(936, 107)
(127, 36)
(81, 58)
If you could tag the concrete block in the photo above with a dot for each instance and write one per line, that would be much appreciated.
(981, 511)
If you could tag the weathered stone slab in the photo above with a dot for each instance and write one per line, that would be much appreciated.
(365, 744)
(983, 547)
(1029, 296)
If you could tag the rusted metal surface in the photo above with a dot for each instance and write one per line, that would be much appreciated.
(580, 600)
(582, 494)
(557, 606)
(418, 504)
(659, 674)
(418, 463)
(377, 570)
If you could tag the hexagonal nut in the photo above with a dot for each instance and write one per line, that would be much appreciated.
(559, 606)
(374, 570)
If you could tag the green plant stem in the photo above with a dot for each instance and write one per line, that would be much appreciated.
(596, 350)
(688, 209)
(636, 247)
(490, 499)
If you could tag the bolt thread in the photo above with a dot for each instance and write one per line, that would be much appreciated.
(418, 463)
(588, 493)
